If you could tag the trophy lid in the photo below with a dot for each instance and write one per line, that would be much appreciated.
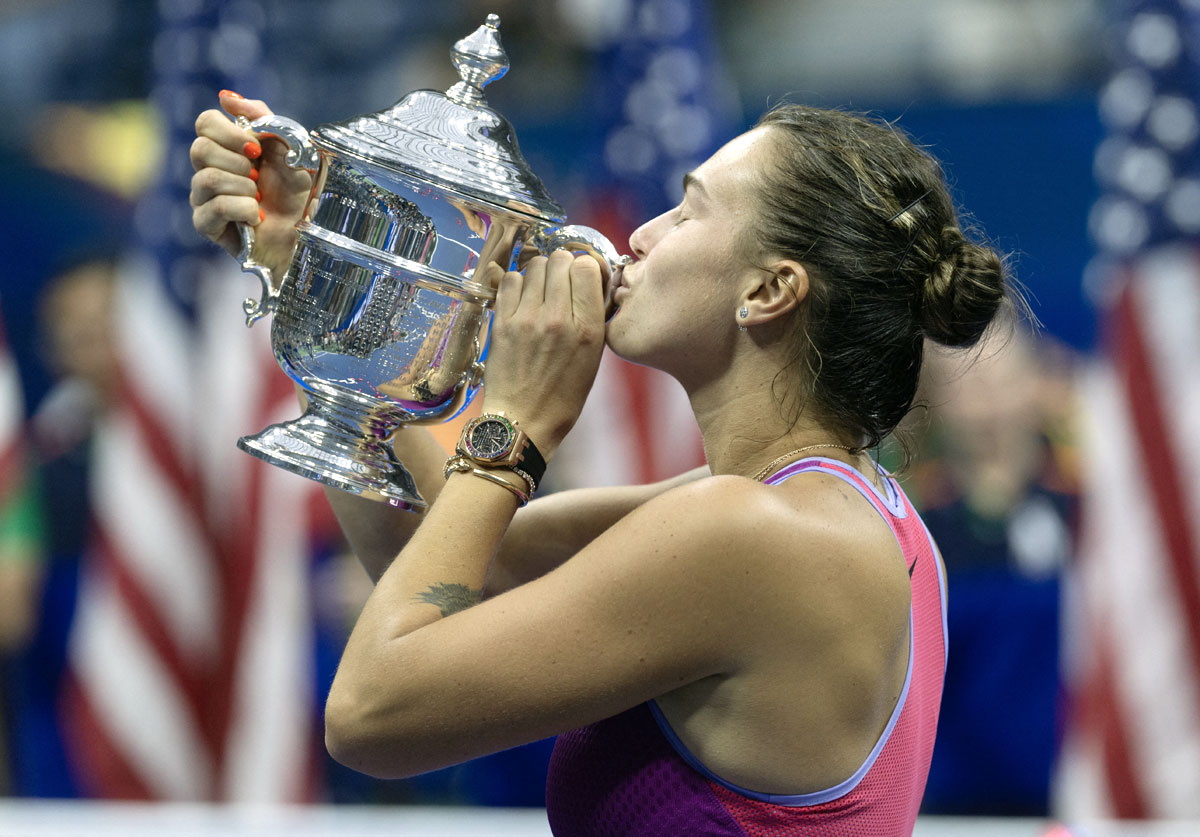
(453, 140)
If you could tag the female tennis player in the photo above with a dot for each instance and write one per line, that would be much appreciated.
(755, 648)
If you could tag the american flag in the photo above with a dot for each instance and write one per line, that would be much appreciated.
(1133, 749)
(664, 107)
(190, 654)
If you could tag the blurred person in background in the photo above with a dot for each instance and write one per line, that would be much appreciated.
(21, 534)
(637, 622)
(76, 335)
(999, 493)
(21, 569)
(21, 551)
(76, 324)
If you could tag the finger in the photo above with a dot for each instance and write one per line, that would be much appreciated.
(210, 182)
(219, 128)
(226, 132)
(231, 241)
(250, 109)
(558, 284)
(212, 218)
(208, 153)
(490, 276)
(534, 291)
(508, 295)
(587, 289)
(236, 105)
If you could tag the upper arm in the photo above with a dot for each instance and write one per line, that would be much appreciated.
(638, 612)
(551, 529)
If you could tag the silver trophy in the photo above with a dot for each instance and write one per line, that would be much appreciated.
(383, 314)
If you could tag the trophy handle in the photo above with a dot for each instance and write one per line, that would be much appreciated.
(302, 154)
(584, 240)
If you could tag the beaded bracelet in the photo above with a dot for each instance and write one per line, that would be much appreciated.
(461, 464)
(525, 476)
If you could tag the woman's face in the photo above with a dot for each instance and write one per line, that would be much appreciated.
(679, 300)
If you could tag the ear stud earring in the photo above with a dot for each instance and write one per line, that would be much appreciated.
(743, 314)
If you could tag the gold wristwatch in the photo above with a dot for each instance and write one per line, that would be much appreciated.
(492, 440)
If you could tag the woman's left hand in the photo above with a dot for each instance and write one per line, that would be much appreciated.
(546, 343)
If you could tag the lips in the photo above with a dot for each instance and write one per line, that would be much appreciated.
(618, 289)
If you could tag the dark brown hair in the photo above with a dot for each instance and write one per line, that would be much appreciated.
(868, 215)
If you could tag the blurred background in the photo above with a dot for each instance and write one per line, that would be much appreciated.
(171, 611)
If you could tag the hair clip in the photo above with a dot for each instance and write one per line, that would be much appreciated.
(922, 197)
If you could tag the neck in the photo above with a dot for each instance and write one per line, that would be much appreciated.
(743, 428)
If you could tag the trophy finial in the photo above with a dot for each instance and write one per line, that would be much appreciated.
(480, 60)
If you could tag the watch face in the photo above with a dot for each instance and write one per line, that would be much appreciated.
(490, 438)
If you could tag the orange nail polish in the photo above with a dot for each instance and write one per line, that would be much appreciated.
(230, 94)
(258, 196)
(252, 150)
(262, 216)
(254, 175)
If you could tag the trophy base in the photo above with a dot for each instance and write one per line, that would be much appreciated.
(342, 440)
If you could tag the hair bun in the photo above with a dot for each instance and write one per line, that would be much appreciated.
(963, 291)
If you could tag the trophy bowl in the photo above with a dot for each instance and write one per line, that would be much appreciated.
(383, 315)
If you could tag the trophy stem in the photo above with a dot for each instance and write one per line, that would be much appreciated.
(343, 440)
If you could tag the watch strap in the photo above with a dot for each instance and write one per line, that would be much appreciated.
(531, 465)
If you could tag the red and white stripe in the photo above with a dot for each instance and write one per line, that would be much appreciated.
(12, 414)
(1134, 748)
(190, 652)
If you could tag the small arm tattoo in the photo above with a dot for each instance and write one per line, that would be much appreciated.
(450, 598)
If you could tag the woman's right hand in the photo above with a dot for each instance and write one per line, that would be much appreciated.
(224, 191)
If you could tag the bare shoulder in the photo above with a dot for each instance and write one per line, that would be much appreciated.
(809, 513)
(813, 541)
(708, 522)
(708, 505)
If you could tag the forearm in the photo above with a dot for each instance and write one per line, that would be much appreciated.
(439, 572)
(442, 551)
(375, 531)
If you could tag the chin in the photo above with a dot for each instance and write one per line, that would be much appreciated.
(616, 335)
(614, 343)
(629, 347)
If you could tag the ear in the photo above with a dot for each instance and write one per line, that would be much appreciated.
(781, 286)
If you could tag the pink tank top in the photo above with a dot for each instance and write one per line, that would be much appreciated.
(630, 774)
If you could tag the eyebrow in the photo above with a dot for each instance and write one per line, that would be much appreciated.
(691, 181)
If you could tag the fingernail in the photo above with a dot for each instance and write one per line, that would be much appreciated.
(258, 196)
(252, 150)
(262, 216)
(254, 175)
(230, 94)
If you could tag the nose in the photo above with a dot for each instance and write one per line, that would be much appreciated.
(643, 237)
(637, 241)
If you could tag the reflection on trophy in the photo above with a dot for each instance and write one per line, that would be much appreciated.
(383, 315)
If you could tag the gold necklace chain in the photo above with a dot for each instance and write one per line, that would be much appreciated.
(792, 453)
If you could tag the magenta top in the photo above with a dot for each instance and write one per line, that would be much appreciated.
(630, 774)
